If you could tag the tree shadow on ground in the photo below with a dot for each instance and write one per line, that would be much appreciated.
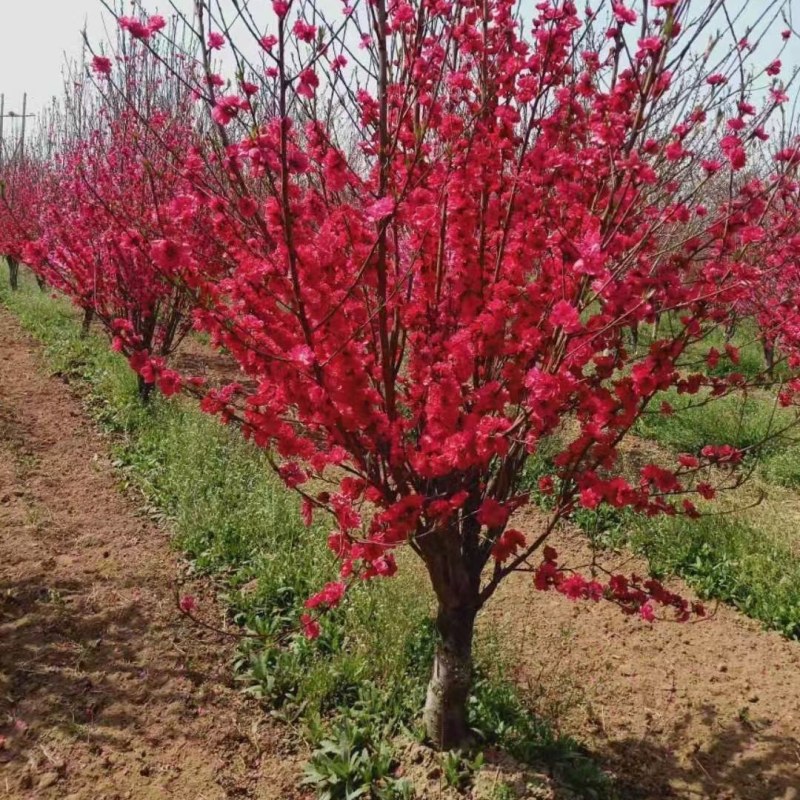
(734, 763)
(71, 665)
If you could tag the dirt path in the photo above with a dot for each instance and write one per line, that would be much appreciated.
(106, 692)
(705, 710)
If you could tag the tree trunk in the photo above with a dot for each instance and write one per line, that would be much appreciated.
(13, 273)
(145, 389)
(769, 356)
(635, 336)
(88, 316)
(41, 283)
(445, 715)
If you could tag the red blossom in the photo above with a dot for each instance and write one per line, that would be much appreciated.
(508, 544)
(380, 209)
(216, 41)
(101, 65)
(188, 604)
(304, 32)
(227, 109)
(493, 514)
(311, 627)
(136, 28)
(566, 316)
(156, 23)
(546, 484)
(622, 14)
(308, 83)
(706, 490)
(329, 597)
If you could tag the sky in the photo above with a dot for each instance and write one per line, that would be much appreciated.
(40, 34)
(37, 33)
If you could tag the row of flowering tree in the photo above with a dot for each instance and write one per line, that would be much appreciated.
(102, 204)
(18, 191)
(427, 231)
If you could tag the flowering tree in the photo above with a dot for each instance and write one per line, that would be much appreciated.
(773, 302)
(103, 240)
(110, 203)
(440, 231)
(432, 228)
(19, 193)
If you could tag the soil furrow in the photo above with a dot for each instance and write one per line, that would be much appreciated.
(106, 691)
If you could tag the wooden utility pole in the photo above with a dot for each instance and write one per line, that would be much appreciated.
(20, 145)
(22, 136)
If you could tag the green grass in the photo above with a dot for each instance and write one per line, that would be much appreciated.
(737, 559)
(742, 421)
(740, 558)
(782, 466)
(746, 422)
(728, 559)
(745, 339)
(361, 683)
(747, 558)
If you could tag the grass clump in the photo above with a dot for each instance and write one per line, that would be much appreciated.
(745, 421)
(782, 467)
(358, 686)
(726, 558)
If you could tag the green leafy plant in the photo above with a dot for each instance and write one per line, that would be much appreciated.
(503, 791)
(727, 559)
(351, 764)
(459, 768)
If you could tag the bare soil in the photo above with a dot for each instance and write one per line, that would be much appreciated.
(106, 690)
(707, 709)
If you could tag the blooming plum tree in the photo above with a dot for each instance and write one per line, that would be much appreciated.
(432, 228)
(441, 223)
(110, 202)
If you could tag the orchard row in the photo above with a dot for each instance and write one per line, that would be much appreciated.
(433, 234)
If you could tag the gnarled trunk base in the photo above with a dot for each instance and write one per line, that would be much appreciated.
(445, 715)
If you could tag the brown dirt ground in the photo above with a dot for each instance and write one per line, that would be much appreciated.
(707, 709)
(106, 690)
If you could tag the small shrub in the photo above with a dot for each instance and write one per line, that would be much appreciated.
(351, 764)
(459, 768)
